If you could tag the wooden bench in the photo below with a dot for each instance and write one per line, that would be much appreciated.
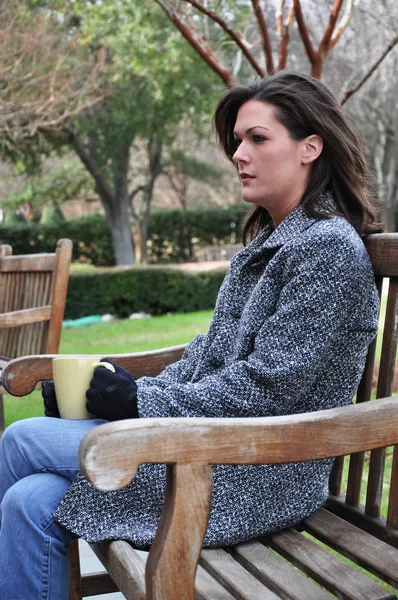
(32, 301)
(288, 565)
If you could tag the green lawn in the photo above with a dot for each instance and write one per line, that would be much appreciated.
(113, 338)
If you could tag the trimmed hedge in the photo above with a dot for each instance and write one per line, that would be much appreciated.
(172, 234)
(91, 239)
(152, 290)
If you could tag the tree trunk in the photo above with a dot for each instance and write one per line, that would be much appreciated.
(118, 219)
(115, 201)
(143, 239)
(391, 176)
(155, 147)
(386, 168)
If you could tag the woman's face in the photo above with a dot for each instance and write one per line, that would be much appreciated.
(273, 168)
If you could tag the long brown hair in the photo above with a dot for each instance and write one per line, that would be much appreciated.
(305, 106)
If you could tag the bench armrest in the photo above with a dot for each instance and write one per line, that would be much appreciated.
(111, 453)
(21, 375)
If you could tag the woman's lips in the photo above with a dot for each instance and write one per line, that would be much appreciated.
(245, 177)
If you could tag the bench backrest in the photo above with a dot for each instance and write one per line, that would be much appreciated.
(32, 300)
(377, 381)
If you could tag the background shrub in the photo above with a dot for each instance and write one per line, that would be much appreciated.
(153, 290)
(90, 236)
(172, 235)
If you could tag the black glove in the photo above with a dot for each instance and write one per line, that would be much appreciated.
(112, 396)
(50, 400)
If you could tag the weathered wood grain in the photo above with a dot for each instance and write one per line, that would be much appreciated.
(384, 388)
(238, 581)
(24, 317)
(330, 571)
(32, 300)
(208, 588)
(376, 526)
(22, 374)
(110, 454)
(174, 554)
(276, 573)
(383, 251)
(75, 583)
(29, 262)
(125, 566)
(376, 556)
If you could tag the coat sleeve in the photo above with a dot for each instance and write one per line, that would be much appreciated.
(182, 370)
(327, 307)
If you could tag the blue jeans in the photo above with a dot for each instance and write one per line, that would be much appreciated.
(38, 461)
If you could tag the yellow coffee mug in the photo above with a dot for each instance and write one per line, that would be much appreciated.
(72, 376)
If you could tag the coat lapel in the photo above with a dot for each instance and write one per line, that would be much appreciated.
(246, 269)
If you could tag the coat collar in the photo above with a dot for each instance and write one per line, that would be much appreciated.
(270, 239)
(292, 226)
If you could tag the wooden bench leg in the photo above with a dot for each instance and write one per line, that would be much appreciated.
(75, 582)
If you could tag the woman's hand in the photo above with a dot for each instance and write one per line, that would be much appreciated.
(112, 396)
(49, 398)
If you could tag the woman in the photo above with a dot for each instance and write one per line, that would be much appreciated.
(292, 324)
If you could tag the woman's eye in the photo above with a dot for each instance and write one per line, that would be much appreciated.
(259, 138)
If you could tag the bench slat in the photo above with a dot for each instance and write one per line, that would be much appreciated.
(384, 388)
(18, 318)
(207, 588)
(276, 573)
(356, 516)
(124, 565)
(392, 515)
(132, 581)
(234, 577)
(364, 394)
(94, 584)
(374, 555)
(336, 476)
(330, 571)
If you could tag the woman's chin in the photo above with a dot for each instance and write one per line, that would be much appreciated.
(249, 199)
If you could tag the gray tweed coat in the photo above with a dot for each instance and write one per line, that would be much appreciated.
(292, 324)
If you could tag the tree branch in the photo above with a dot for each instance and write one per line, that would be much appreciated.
(283, 30)
(317, 57)
(232, 34)
(101, 185)
(342, 25)
(302, 27)
(262, 25)
(199, 44)
(372, 69)
(135, 191)
(324, 46)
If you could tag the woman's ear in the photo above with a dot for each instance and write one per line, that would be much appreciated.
(311, 149)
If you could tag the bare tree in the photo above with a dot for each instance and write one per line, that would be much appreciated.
(184, 14)
(45, 77)
(369, 93)
(188, 15)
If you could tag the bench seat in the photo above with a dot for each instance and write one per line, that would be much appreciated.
(288, 565)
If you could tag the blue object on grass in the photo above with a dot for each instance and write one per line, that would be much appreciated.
(91, 320)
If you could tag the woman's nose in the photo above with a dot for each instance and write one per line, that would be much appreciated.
(240, 155)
